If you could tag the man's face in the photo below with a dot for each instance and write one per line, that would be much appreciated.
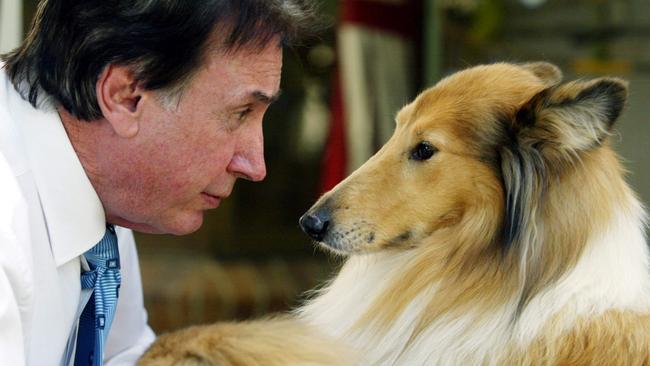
(186, 158)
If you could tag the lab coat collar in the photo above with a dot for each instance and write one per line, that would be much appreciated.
(73, 212)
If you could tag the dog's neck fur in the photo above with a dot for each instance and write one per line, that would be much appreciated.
(612, 273)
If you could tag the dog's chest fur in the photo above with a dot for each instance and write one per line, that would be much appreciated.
(612, 274)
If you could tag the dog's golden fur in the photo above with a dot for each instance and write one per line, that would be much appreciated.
(272, 342)
(615, 338)
(492, 248)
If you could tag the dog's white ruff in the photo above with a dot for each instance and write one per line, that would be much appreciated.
(612, 273)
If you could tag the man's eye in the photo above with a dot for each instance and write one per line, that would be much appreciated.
(241, 115)
(423, 151)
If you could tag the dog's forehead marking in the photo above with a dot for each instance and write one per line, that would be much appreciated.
(472, 103)
(463, 113)
(433, 119)
(404, 114)
(420, 127)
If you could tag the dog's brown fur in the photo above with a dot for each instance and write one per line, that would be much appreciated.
(271, 342)
(616, 338)
(522, 183)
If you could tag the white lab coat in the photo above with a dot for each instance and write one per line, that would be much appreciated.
(49, 216)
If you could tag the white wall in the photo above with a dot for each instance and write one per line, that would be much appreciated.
(11, 24)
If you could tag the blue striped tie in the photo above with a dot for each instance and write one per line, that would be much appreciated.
(96, 318)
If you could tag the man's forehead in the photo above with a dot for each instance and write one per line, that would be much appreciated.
(253, 95)
(254, 79)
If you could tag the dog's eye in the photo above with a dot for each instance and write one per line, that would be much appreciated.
(423, 151)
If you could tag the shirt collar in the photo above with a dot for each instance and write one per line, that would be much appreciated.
(73, 212)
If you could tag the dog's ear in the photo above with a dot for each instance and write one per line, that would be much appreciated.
(573, 117)
(548, 73)
(547, 133)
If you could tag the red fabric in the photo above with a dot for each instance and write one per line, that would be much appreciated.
(402, 19)
(335, 161)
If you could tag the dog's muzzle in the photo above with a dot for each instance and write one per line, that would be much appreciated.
(316, 223)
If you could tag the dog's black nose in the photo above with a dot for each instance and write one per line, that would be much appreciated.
(315, 224)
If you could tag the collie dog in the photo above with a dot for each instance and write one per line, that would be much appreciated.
(495, 227)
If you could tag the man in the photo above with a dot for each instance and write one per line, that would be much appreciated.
(141, 114)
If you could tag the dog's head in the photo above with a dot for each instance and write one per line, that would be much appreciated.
(471, 157)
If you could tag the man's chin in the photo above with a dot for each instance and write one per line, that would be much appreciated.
(178, 227)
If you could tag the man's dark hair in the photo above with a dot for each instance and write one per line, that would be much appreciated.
(72, 41)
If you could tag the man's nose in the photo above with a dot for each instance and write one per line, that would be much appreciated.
(248, 160)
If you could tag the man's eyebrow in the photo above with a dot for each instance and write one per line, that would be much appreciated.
(265, 98)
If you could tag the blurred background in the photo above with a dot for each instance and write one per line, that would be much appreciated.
(340, 94)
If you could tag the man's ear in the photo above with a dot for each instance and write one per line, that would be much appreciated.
(119, 97)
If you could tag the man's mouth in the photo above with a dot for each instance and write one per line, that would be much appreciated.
(211, 200)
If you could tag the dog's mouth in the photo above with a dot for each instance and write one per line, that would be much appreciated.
(337, 238)
(336, 248)
(346, 238)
